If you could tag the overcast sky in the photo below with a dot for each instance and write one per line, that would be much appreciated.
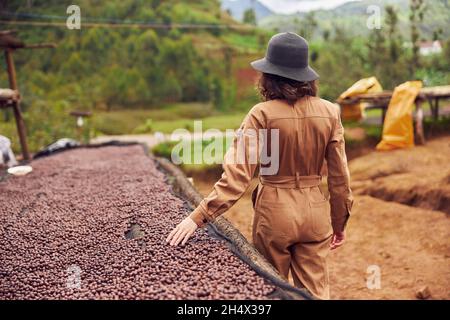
(291, 6)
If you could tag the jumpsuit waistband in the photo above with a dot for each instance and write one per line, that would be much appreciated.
(291, 182)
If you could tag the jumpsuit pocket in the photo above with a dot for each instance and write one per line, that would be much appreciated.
(320, 217)
(275, 219)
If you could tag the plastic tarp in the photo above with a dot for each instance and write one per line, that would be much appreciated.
(398, 129)
(6, 155)
(356, 111)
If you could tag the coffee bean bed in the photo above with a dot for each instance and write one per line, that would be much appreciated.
(91, 223)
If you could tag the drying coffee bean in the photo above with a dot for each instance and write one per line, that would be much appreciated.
(62, 234)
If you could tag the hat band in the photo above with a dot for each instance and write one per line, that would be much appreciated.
(288, 62)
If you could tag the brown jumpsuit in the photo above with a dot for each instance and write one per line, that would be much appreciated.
(292, 225)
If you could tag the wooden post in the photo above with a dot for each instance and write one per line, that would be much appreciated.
(434, 104)
(16, 106)
(383, 114)
(11, 69)
(419, 122)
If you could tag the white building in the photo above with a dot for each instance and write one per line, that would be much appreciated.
(430, 47)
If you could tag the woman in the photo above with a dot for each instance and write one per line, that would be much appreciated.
(294, 226)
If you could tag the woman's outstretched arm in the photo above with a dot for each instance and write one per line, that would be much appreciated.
(239, 166)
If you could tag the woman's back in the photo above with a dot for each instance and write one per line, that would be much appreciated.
(304, 131)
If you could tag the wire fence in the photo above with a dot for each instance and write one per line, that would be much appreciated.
(24, 19)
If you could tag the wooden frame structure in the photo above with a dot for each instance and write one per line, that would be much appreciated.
(10, 98)
(381, 101)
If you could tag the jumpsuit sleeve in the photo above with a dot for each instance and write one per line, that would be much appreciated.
(341, 199)
(239, 165)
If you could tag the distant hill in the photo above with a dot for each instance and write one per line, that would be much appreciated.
(238, 7)
(353, 15)
(120, 65)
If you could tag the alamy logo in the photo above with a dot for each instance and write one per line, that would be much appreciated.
(73, 277)
(249, 146)
(74, 20)
(374, 20)
(373, 280)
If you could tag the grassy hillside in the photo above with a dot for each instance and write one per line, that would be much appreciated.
(136, 56)
(122, 65)
(238, 8)
(352, 17)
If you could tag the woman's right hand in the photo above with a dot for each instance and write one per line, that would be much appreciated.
(182, 232)
(337, 240)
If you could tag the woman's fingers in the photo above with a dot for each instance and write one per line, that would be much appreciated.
(175, 232)
(171, 234)
(178, 237)
(336, 244)
(182, 232)
(186, 237)
(175, 237)
(337, 240)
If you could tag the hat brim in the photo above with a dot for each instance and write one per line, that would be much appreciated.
(299, 74)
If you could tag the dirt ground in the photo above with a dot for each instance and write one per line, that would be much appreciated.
(419, 177)
(394, 226)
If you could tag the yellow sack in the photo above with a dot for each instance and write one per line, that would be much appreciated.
(356, 111)
(398, 129)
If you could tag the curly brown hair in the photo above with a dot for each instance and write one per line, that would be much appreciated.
(272, 87)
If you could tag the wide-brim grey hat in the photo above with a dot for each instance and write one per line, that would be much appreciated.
(287, 56)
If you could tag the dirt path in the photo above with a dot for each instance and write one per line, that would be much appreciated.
(419, 177)
(153, 139)
(148, 139)
(410, 245)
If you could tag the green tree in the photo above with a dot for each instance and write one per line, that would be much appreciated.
(416, 14)
(249, 16)
(394, 67)
(340, 63)
(308, 26)
(446, 55)
(437, 34)
(228, 61)
(326, 35)
(377, 51)
(217, 93)
(393, 38)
